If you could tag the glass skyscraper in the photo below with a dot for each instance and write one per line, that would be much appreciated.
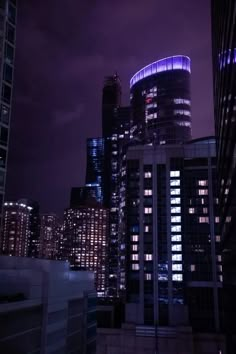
(224, 72)
(8, 14)
(161, 102)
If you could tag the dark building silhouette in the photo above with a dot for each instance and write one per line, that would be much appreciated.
(49, 236)
(7, 54)
(161, 101)
(224, 73)
(95, 168)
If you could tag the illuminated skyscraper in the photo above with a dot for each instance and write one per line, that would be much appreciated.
(173, 262)
(224, 73)
(8, 13)
(15, 238)
(49, 236)
(161, 101)
(86, 240)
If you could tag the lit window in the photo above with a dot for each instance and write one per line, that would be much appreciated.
(175, 218)
(147, 210)
(177, 267)
(177, 277)
(205, 210)
(162, 142)
(191, 210)
(203, 183)
(134, 257)
(217, 219)
(174, 173)
(147, 174)
(134, 238)
(203, 219)
(174, 200)
(176, 238)
(147, 192)
(175, 228)
(175, 191)
(177, 257)
(148, 276)
(175, 182)
(202, 192)
(175, 210)
(135, 266)
(219, 258)
(146, 228)
(217, 238)
(193, 267)
(221, 278)
(148, 257)
(134, 247)
(176, 248)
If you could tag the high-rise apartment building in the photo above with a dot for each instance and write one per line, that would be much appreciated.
(86, 240)
(173, 261)
(8, 14)
(49, 236)
(224, 73)
(161, 101)
(95, 168)
(16, 229)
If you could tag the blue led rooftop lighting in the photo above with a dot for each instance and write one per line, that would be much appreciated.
(177, 62)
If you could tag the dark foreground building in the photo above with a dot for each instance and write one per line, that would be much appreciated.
(224, 72)
(161, 101)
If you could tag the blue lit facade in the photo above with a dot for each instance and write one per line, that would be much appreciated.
(161, 102)
(173, 262)
(95, 168)
(8, 17)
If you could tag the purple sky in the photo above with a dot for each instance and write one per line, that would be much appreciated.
(64, 50)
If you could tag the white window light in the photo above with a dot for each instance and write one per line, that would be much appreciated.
(177, 257)
(217, 219)
(175, 210)
(146, 228)
(175, 191)
(147, 210)
(177, 277)
(175, 228)
(135, 266)
(134, 247)
(205, 210)
(134, 257)
(177, 267)
(217, 238)
(202, 192)
(147, 174)
(191, 210)
(174, 173)
(174, 200)
(134, 238)
(193, 267)
(203, 183)
(148, 257)
(203, 219)
(175, 182)
(148, 276)
(176, 238)
(147, 192)
(175, 218)
(177, 248)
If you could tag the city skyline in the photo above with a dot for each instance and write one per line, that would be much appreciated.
(69, 73)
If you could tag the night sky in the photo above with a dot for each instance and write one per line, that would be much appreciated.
(64, 50)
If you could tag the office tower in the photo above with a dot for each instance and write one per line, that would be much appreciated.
(161, 101)
(34, 227)
(224, 74)
(15, 237)
(86, 238)
(7, 54)
(46, 308)
(173, 264)
(49, 236)
(95, 168)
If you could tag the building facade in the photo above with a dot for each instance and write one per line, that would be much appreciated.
(224, 73)
(49, 236)
(173, 261)
(86, 241)
(16, 229)
(161, 101)
(46, 308)
(8, 14)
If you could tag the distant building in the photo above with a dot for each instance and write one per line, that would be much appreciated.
(49, 236)
(8, 17)
(224, 74)
(46, 308)
(161, 102)
(86, 240)
(15, 237)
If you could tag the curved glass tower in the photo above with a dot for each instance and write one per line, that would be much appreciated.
(161, 102)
